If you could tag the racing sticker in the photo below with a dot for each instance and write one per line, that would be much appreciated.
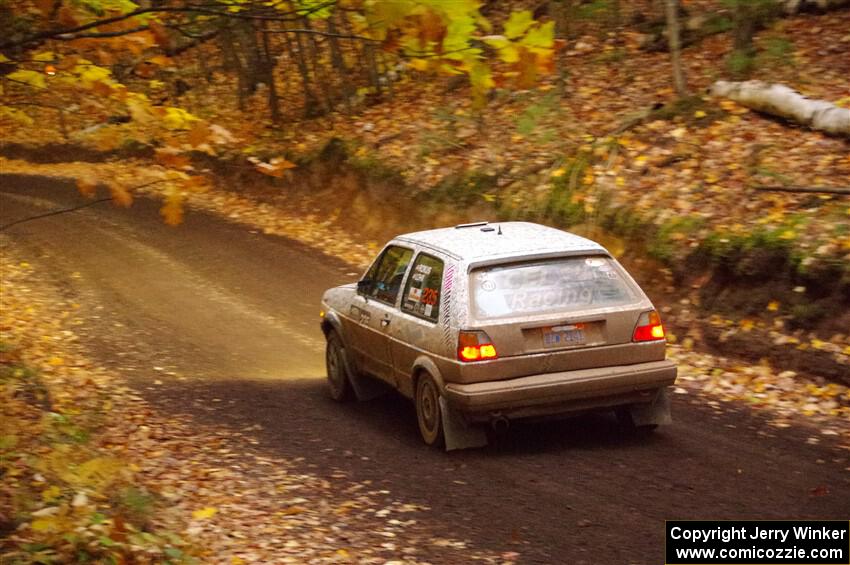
(429, 296)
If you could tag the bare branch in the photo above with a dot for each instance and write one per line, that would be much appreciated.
(320, 33)
(100, 34)
(806, 189)
(209, 9)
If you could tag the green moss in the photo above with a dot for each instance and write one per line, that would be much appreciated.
(463, 189)
(665, 244)
(693, 110)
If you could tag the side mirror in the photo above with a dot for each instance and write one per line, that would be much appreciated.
(364, 286)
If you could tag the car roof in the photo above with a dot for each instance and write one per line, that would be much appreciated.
(470, 243)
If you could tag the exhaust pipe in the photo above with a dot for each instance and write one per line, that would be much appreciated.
(500, 424)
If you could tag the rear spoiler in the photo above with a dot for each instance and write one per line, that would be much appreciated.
(532, 258)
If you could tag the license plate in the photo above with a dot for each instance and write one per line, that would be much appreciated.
(563, 336)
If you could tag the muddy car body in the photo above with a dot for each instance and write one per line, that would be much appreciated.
(484, 323)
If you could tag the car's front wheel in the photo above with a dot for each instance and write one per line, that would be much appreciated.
(339, 386)
(428, 412)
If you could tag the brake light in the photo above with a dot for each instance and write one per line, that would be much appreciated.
(649, 327)
(475, 346)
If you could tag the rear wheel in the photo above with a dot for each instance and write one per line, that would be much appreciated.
(428, 411)
(339, 387)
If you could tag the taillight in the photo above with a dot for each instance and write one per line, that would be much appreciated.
(475, 346)
(648, 327)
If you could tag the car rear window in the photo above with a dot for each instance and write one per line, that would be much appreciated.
(558, 285)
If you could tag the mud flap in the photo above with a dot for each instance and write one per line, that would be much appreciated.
(458, 433)
(656, 413)
(366, 388)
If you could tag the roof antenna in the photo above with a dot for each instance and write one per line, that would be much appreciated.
(500, 231)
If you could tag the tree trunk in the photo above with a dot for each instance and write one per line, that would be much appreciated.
(269, 64)
(781, 101)
(338, 62)
(233, 63)
(558, 12)
(672, 12)
(746, 21)
(311, 103)
(319, 75)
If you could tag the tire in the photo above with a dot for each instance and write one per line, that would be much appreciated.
(339, 385)
(428, 412)
(624, 417)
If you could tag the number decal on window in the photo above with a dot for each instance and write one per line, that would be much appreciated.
(429, 296)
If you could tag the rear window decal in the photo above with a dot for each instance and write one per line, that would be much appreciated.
(554, 286)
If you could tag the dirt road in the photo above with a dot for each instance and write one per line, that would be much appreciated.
(227, 321)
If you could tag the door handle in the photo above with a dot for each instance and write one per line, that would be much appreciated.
(385, 322)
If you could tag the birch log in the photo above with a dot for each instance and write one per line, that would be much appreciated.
(779, 100)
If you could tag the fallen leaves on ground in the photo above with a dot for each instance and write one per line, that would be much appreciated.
(207, 484)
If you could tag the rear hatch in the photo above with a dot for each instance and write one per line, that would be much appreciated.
(560, 305)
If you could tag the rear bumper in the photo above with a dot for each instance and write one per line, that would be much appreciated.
(568, 391)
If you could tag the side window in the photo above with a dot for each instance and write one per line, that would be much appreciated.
(424, 286)
(383, 281)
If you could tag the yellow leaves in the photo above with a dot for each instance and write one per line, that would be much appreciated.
(274, 168)
(204, 513)
(16, 115)
(788, 235)
(421, 65)
(746, 324)
(47, 524)
(31, 78)
(55, 361)
(51, 493)
(160, 60)
(700, 114)
(172, 209)
(773, 306)
(293, 510)
(160, 33)
(178, 118)
(199, 134)
(120, 195)
(169, 157)
(98, 472)
(138, 110)
(90, 74)
(87, 187)
(518, 23)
